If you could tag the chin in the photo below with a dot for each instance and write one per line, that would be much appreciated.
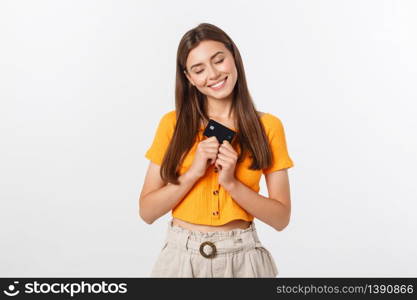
(221, 94)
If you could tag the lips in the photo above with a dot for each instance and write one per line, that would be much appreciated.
(218, 85)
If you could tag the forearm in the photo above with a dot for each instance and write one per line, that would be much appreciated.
(159, 202)
(268, 210)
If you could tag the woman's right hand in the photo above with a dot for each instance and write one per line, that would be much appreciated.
(205, 155)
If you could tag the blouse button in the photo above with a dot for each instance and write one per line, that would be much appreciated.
(215, 192)
(215, 169)
(215, 213)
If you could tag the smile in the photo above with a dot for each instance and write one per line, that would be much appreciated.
(219, 85)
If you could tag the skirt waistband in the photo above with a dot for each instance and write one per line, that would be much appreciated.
(209, 242)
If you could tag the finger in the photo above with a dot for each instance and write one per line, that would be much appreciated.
(227, 145)
(225, 158)
(213, 158)
(212, 139)
(210, 151)
(212, 147)
(213, 144)
(206, 145)
(220, 163)
(227, 151)
(210, 156)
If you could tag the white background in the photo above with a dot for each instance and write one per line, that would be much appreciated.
(83, 85)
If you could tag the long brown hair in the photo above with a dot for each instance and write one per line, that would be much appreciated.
(191, 110)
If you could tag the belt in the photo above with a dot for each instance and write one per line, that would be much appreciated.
(209, 248)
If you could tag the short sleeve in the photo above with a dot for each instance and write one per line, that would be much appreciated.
(278, 144)
(162, 138)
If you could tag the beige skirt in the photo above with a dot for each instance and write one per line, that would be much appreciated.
(235, 253)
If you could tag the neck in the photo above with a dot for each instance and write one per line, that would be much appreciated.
(220, 108)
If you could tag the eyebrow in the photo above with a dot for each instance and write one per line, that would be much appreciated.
(195, 65)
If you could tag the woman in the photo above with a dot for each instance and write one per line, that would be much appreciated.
(212, 188)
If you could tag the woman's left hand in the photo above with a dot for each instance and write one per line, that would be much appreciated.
(226, 163)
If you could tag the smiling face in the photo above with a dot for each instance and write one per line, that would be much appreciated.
(211, 69)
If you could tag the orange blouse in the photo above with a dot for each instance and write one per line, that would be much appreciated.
(207, 202)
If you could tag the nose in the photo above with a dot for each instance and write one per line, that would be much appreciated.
(213, 73)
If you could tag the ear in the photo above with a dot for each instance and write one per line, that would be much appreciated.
(188, 77)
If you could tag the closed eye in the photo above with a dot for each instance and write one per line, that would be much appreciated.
(220, 61)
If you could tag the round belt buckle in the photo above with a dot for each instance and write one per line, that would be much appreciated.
(213, 247)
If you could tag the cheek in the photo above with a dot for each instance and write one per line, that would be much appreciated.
(200, 81)
(229, 67)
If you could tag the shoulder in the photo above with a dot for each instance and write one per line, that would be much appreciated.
(270, 121)
(168, 119)
(169, 116)
(166, 125)
(260, 114)
(273, 125)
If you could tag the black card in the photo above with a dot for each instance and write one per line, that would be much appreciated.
(220, 131)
